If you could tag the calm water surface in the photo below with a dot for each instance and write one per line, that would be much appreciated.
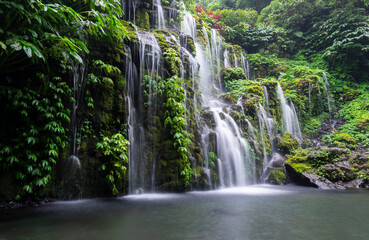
(255, 212)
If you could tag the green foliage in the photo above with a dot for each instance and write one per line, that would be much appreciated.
(338, 29)
(114, 149)
(212, 158)
(257, 38)
(257, 5)
(230, 74)
(31, 149)
(356, 131)
(345, 41)
(175, 120)
(172, 61)
(232, 18)
(267, 65)
(41, 42)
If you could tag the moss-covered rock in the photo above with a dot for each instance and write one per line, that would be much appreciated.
(230, 74)
(325, 167)
(277, 176)
(143, 18)
(286, 143)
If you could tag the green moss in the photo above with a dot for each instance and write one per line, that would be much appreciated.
(277, 177)
(301, 167)
(131, 31)
(287, 143)
(230, 74)
(191, 46)
(345, 137)
(143, 19)
(257, 90)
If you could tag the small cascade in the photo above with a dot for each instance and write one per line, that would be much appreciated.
(192, 73)
(230, 149)
(266, 95)
(290, 120)
(262, 140)
(205, 144)
(236, 161)
(188, 25)
(142, 104)
(216, 46)
(72, 165)
(270, 126)
(160, 15)
(245, 66)
(227, 63)
(129, 10)
(236, 64)
(327, 92)
(220, 172)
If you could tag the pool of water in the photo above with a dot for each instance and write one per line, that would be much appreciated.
(254, 212)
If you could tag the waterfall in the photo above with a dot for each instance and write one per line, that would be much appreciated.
(129, 10)
(290, 120)
(232, 149)
(141, 104)
(327, 92)
(71, 165)
(265, 121)
(245, 66)
(227, 64)
(220, 172)
(216, 45)
(188, 25)
(270, 126)
(160, 15)
(235, 59)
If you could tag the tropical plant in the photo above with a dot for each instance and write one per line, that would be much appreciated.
(115, 150)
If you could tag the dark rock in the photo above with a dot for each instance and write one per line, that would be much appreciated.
(310, 179)
(357, 183)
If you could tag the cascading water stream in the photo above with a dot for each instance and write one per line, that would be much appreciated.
(266, 95)
(236, 162)
(216, 47)
(245, 66)
(269, 124)
(227, 63)
(141, 104)
(290, 120)
(160, 15)
(71, 165)
(235, 59)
